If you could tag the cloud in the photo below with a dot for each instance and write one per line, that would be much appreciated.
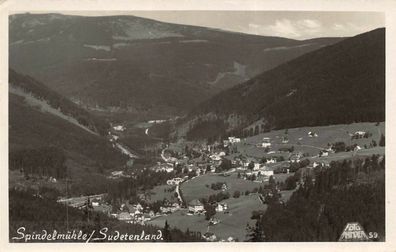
(309, 23)
(297, 29)
(348, 27)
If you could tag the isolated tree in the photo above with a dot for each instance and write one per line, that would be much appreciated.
(382, 140)
(271, 181)
(210, 210)
(339, 147)
(256, 130)
(166, 232)
(237, 194)
(225, 164)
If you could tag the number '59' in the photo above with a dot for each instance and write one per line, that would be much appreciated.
(373, 235)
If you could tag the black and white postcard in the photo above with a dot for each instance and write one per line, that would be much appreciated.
(195, 124)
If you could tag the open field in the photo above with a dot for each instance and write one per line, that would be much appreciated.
(348, 155)
(281, 177)
(298, 137)
(161, 192)
(232, 224)
(196, 188)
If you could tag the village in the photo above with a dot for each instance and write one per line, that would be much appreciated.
(210, 186)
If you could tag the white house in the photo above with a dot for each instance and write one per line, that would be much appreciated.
(95, 204)
(357, 148)
(271, 161)
(119, 128)
(221, 207)
(156, 121)
(324, 153)
(117, 173)
(234, 140)
(256, 167)
(266, 142)
(267, 173)
(169, 169)
(359, 133)
(195, 206)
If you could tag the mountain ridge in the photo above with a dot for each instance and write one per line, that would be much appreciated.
(141, 65)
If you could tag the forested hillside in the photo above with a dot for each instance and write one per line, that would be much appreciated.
(44, 144)
(340, 83)
(57, 101)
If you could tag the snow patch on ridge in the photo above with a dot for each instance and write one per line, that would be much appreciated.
(99, 47)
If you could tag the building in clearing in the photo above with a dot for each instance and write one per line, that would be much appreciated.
(119, 128)
(323, 153)
(312, 134)
(266, 142)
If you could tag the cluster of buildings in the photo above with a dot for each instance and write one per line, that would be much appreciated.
(156, 121)
(175, 181)
(196, 207)
(359, 134)
(134, 214)
(94, 202)
(169, 208)
(165, 167)
(231, 140)
(312, 134)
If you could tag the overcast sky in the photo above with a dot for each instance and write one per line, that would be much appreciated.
(290, 24)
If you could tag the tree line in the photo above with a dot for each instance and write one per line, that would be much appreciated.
(348, 191)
